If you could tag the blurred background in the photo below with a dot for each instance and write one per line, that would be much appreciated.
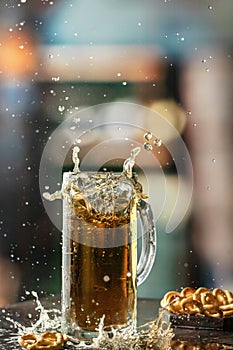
(173, 56)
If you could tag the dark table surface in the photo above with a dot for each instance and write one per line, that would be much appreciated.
(185, 338)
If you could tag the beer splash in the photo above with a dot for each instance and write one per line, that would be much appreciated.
(127, 170)
(154, 335)
(129, 162)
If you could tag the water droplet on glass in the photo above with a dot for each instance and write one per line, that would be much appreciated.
(147, 146)
(194, 124)
(210, 7)
(213, 160)
(148, 136)
(158, 142)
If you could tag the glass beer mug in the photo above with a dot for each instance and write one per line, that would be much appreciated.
(100, 267)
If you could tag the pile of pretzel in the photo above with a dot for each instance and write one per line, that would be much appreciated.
(201, 301)
(43, 341)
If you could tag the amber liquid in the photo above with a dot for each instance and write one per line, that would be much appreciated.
(99, 268)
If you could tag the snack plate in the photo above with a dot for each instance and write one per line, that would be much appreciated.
(197, 322)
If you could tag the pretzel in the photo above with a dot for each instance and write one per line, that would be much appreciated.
(47, 340)
(223, 296)
(203, 301)
(169, 298)
(227, 310)
(187, 291)
(191, 306)
(175, 307)
(208, 300)
(213, 312)
(198, 292)
(171, 302)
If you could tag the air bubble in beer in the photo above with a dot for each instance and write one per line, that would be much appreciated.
(106, 278)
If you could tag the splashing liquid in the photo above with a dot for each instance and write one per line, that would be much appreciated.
(156, 334)
(127, 170)
(129, 162)
(76, 159)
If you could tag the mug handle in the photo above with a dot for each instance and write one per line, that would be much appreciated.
(149, 241)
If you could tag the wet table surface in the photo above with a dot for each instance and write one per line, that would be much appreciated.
(184, 338)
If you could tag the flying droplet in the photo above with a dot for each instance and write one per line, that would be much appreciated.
(213, 160)
(55, 78)
(61, 108)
